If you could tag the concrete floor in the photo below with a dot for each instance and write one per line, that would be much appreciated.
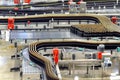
(6, 63)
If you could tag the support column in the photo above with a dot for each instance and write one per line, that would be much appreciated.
(117, 2)
(93, 71)
(69, 65)
(73, 69)
(119, 65)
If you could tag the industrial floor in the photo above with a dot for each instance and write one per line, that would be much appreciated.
(6, 50)
(6, 62)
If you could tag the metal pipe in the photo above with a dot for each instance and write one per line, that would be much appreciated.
(117, 2)
(58, 72)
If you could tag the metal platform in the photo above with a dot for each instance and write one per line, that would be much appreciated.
(58, 34)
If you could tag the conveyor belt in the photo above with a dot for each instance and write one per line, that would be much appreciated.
(103, 24)
(60, 5)
(26, 8)
(39, 59)
(47, 17)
